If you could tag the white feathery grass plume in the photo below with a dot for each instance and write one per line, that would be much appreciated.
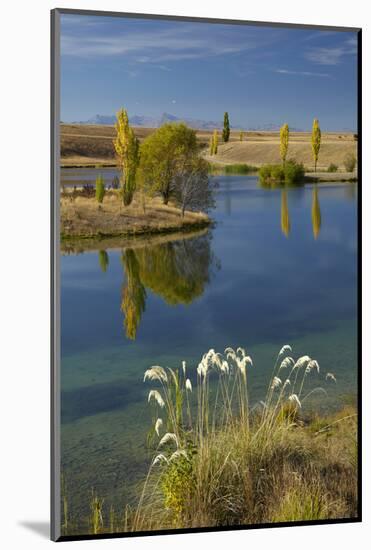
(159, 458)
(242, 367)
(313, 364)
(158, 425)
(154, 394)
(295, 399)
(230, 353)
(287, 362)
(286, 383)
(286, 348)
(302, 361)
(188, 385)
(210, 356)
(225, 367)
(247, 361)
(241, 351)
(202, 369)
(330, 376)
(216, 360)
(276, 382)
(155, 373)
(169, 437)
(184, 367)
(177, 454)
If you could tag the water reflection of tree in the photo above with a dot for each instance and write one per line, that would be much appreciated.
(316, 213)
(285, 216)
(133, 294)
(178, 271)
(103, 260)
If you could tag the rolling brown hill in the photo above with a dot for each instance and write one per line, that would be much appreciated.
(92, 144)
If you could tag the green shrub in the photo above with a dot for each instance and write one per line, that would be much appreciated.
(294, 172)
(99, 189)
(277, 173)
(332, 168)
(350, 162)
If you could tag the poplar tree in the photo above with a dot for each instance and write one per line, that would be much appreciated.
(284, 142)
(211, 145)
(215, 142)
(226, 128)
(316, 141)
(127, 151)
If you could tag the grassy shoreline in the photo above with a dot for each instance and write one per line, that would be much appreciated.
(218, 461)
(83, 219)
(77, 245)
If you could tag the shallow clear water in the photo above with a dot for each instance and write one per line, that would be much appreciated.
(279, 267)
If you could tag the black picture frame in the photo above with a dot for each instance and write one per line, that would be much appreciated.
(55, 274)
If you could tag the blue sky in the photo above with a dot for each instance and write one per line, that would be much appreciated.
(260, 75)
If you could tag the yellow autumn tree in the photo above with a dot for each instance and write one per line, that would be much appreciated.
(316, 141)
(127, 152)
(211, 145)
(285, 217)
(284, 142)
(316, 213)
(215, 142)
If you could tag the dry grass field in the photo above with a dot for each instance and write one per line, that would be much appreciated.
(92, 145)
(256, 152)
(81, 217)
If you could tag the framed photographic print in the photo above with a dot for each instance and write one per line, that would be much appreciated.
(206, 191)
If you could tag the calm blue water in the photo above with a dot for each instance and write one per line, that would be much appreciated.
(259, 279)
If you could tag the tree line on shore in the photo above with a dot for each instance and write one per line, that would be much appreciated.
(316, 140)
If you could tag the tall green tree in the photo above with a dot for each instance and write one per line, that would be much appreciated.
(127, 152)
(316, 141)
(226, 128)
(284, 142)
(164, 157)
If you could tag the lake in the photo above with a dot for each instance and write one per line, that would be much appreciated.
(279, 267)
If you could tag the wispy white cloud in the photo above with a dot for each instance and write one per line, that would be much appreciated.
(177, 43)
(318, 35)
(332, 55)
(301, 73)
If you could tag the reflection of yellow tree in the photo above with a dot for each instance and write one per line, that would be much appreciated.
(316, 213)
(285, 217)
(176, 271)
(103, 260)
(133, 296)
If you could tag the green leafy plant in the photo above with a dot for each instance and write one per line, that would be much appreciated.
(99, 189)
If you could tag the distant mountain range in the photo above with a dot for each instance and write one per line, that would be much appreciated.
(153, 122)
